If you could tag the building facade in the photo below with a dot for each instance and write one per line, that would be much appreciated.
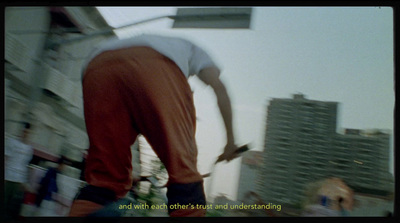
(44, 51)
(43, 58)
(302, 145)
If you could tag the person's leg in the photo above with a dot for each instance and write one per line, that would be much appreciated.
(83, 208)
(163, 110)
(191, 194)
(109, 128)
(111, 133)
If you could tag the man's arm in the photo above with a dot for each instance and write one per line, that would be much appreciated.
(210, 76)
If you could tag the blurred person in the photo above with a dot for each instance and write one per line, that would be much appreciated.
(17, 153)
(139, 86)
(328, 197)
(48, 189)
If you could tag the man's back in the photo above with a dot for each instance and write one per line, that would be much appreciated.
(189, 57)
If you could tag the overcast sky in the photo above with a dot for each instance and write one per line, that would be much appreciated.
(341, 54)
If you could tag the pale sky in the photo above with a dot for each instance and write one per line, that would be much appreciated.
(341, 54)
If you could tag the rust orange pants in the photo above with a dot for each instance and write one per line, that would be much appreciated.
(134, 91)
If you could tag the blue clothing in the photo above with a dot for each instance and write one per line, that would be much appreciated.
(48, 186)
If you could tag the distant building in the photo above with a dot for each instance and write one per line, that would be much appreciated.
(251, 162)
(302, 146)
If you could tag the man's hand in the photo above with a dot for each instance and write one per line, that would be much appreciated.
(229, 153)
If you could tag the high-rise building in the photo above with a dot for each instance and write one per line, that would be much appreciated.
(302, 145)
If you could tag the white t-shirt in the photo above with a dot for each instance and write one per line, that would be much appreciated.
(190, 58)
(18, 155)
